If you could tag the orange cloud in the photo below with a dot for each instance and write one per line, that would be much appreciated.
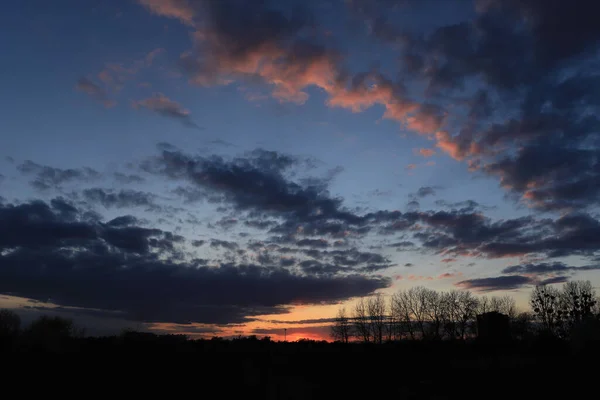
(95, 91)
(367, 90)
(426, 119)
(161, 104)
(410, 167)
(446, 144)
(424, 152)
(419, 278)
(178, 9)
(289, 70)
(456, 150)
(290, 67)
(449, 275)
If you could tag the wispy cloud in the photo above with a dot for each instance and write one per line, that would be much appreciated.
(178, 9)
(162, 105)
(424, 152)
(95, 91)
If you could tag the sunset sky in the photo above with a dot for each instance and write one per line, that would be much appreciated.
(225, 167)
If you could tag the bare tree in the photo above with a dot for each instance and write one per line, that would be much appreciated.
(466, 311)
(449, 313)
(376, 309)
(341, 328)
(433, 312)
(578, 300)
(360, 317)
(484, 305)
(401, 315)
(391, 328)
(416, 302)
(545, 302)
(505, 305)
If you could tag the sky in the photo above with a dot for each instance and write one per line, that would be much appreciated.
(241, 167)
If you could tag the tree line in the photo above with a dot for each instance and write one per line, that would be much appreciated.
(422, 313)
(415, 313)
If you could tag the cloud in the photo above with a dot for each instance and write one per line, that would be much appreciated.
(496, 283)
(554, 280)
(529, 121)
(425, 191)
(508, 282)
(402, 244)
(96, 92)
(466, 233)
(123, 198)
(216, 243)
(50, 252)
(251, 40)
(302, 321)
(547, 268)
(46, 177)
(128, 178)
(315, 243)
(177, 9)
(306, 332)
(465, 206)
(424, 152)
(258, 184)
(449, 275)
(300, 221)
(528, 124)
(162, 105)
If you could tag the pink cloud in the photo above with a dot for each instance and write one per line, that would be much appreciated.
(178, 9)
(95, 91)
(419, 278)
(161, 104)
(450, 275)
(424, 152)
(290, 67)
(457, 148)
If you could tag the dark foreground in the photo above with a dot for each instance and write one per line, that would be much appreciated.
(170, 366)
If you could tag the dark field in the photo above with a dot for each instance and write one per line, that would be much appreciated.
(171, 366)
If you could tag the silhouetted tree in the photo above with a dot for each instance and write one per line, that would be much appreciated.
(51, 333)
(505, 305)
(467, 310)
(360, 319)
(376, 308)
(10, 323)
(416, 303)
(341, 328)
(433, 312)
(545, 302)
(401, 315)
(578, 300)
(450, 313)
(521, 326)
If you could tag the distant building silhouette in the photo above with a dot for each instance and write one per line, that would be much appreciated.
(493, 327)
